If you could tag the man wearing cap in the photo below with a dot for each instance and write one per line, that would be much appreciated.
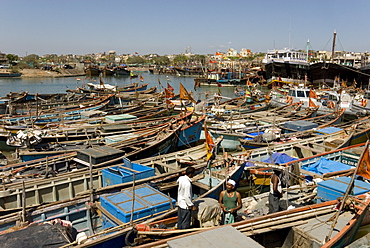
(230, 201)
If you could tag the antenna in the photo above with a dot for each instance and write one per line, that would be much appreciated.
(290, 29)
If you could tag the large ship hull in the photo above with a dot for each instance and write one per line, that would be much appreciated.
(327, 73)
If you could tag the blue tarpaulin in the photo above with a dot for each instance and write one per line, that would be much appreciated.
(279, 158)
(325, 165)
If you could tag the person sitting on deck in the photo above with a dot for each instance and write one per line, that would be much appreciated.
(230, 201)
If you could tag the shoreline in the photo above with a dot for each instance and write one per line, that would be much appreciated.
(37, 73)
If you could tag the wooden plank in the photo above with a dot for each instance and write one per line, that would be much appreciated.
(109, 215)
(309, 148)
(201, 185)
(314, 175)
(164, 165)
(275, 227)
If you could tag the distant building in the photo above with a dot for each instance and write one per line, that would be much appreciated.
(245, 53)
(232, 52)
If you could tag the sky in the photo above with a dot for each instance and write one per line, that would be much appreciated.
(172, 26)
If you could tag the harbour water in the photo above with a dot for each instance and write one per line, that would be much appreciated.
(60, 85)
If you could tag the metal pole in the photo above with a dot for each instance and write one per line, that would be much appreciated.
(91, 181)
(133, 200)
(23, 217)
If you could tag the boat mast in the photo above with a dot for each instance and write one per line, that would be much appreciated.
(333, 47)
(307, 46)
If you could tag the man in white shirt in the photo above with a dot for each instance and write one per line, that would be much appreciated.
(184, 197)
(276, 192)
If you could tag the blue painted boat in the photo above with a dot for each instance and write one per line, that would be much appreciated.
(9, 74)
(56, 116)
(190, 134)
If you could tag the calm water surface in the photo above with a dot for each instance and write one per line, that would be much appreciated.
(59, 85)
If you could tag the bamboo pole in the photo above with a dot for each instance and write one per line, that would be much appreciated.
(348, 191)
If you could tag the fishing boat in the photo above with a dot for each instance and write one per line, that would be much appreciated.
(92, 71)
(59, 172)
(272, 136)
(271, 119)
(102, 102)
(121, 71)
(325, 100)
(90, 220)
(286, 67)
(224, 77)
(10, 74)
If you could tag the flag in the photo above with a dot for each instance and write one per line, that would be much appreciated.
(217, 53)
(141, 78)
(169, 87)
(344, 83)
(136, 53)
(364, 164)
(311, 104)
(219, 85)
(312, 94)
(168, 93)
(209, 143)
(101, 80)
(184, 94)
(249, 83)
(196, 84)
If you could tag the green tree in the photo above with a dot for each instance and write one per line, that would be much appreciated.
(179, 59)
(12, 57)
(161, 60)
(32, 59)
(135, 60)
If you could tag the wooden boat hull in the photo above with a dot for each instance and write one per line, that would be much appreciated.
(190, 134)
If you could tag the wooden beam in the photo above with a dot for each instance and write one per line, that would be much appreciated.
(309, 148)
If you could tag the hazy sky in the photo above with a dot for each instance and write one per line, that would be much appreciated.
(170, 26)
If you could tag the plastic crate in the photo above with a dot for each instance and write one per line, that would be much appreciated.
(300, 125)
(99, 154)
(118, 118)
(332, 189)
(121, 174)
(107, 223)
(147, 202)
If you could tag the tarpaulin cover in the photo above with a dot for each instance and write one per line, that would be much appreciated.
(44, 235)
(279, 158)
(325, 165)
(208, 212)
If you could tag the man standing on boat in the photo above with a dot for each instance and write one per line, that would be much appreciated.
(230, 201)
(184, 197)
(276, 192)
